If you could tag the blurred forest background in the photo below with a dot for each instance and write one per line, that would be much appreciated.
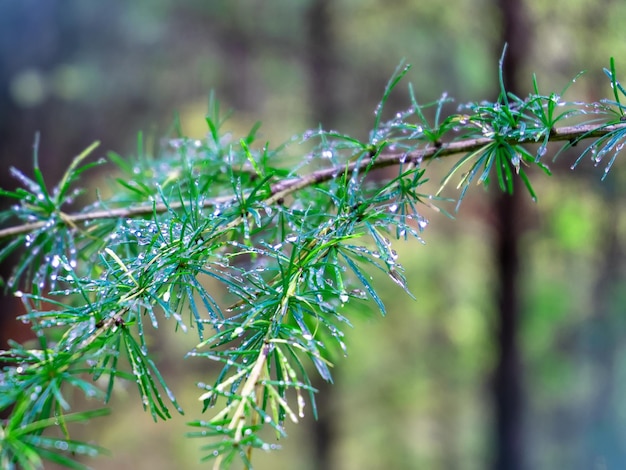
(514, 354)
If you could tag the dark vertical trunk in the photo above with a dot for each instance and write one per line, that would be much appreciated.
(508, 382)
(18, 31)
(321, 62)
(35, 33)
(508, 375)
(323, 104)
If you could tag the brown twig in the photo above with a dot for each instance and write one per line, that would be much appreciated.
(282, 188)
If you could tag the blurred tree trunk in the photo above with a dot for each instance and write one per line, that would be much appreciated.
(508, 374)
(38, 31)
(320, 56)
(35, 32)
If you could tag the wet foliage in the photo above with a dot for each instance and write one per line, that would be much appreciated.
(291, 245)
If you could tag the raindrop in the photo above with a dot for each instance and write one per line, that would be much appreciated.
(515, 161)
(596, 156)
(301, 404)
(61, 445)
(541, 151)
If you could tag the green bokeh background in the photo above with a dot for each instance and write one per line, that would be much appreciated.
(414, 391)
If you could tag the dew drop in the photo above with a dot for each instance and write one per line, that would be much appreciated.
(541, 151)
(301, 404)
(61, 445)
